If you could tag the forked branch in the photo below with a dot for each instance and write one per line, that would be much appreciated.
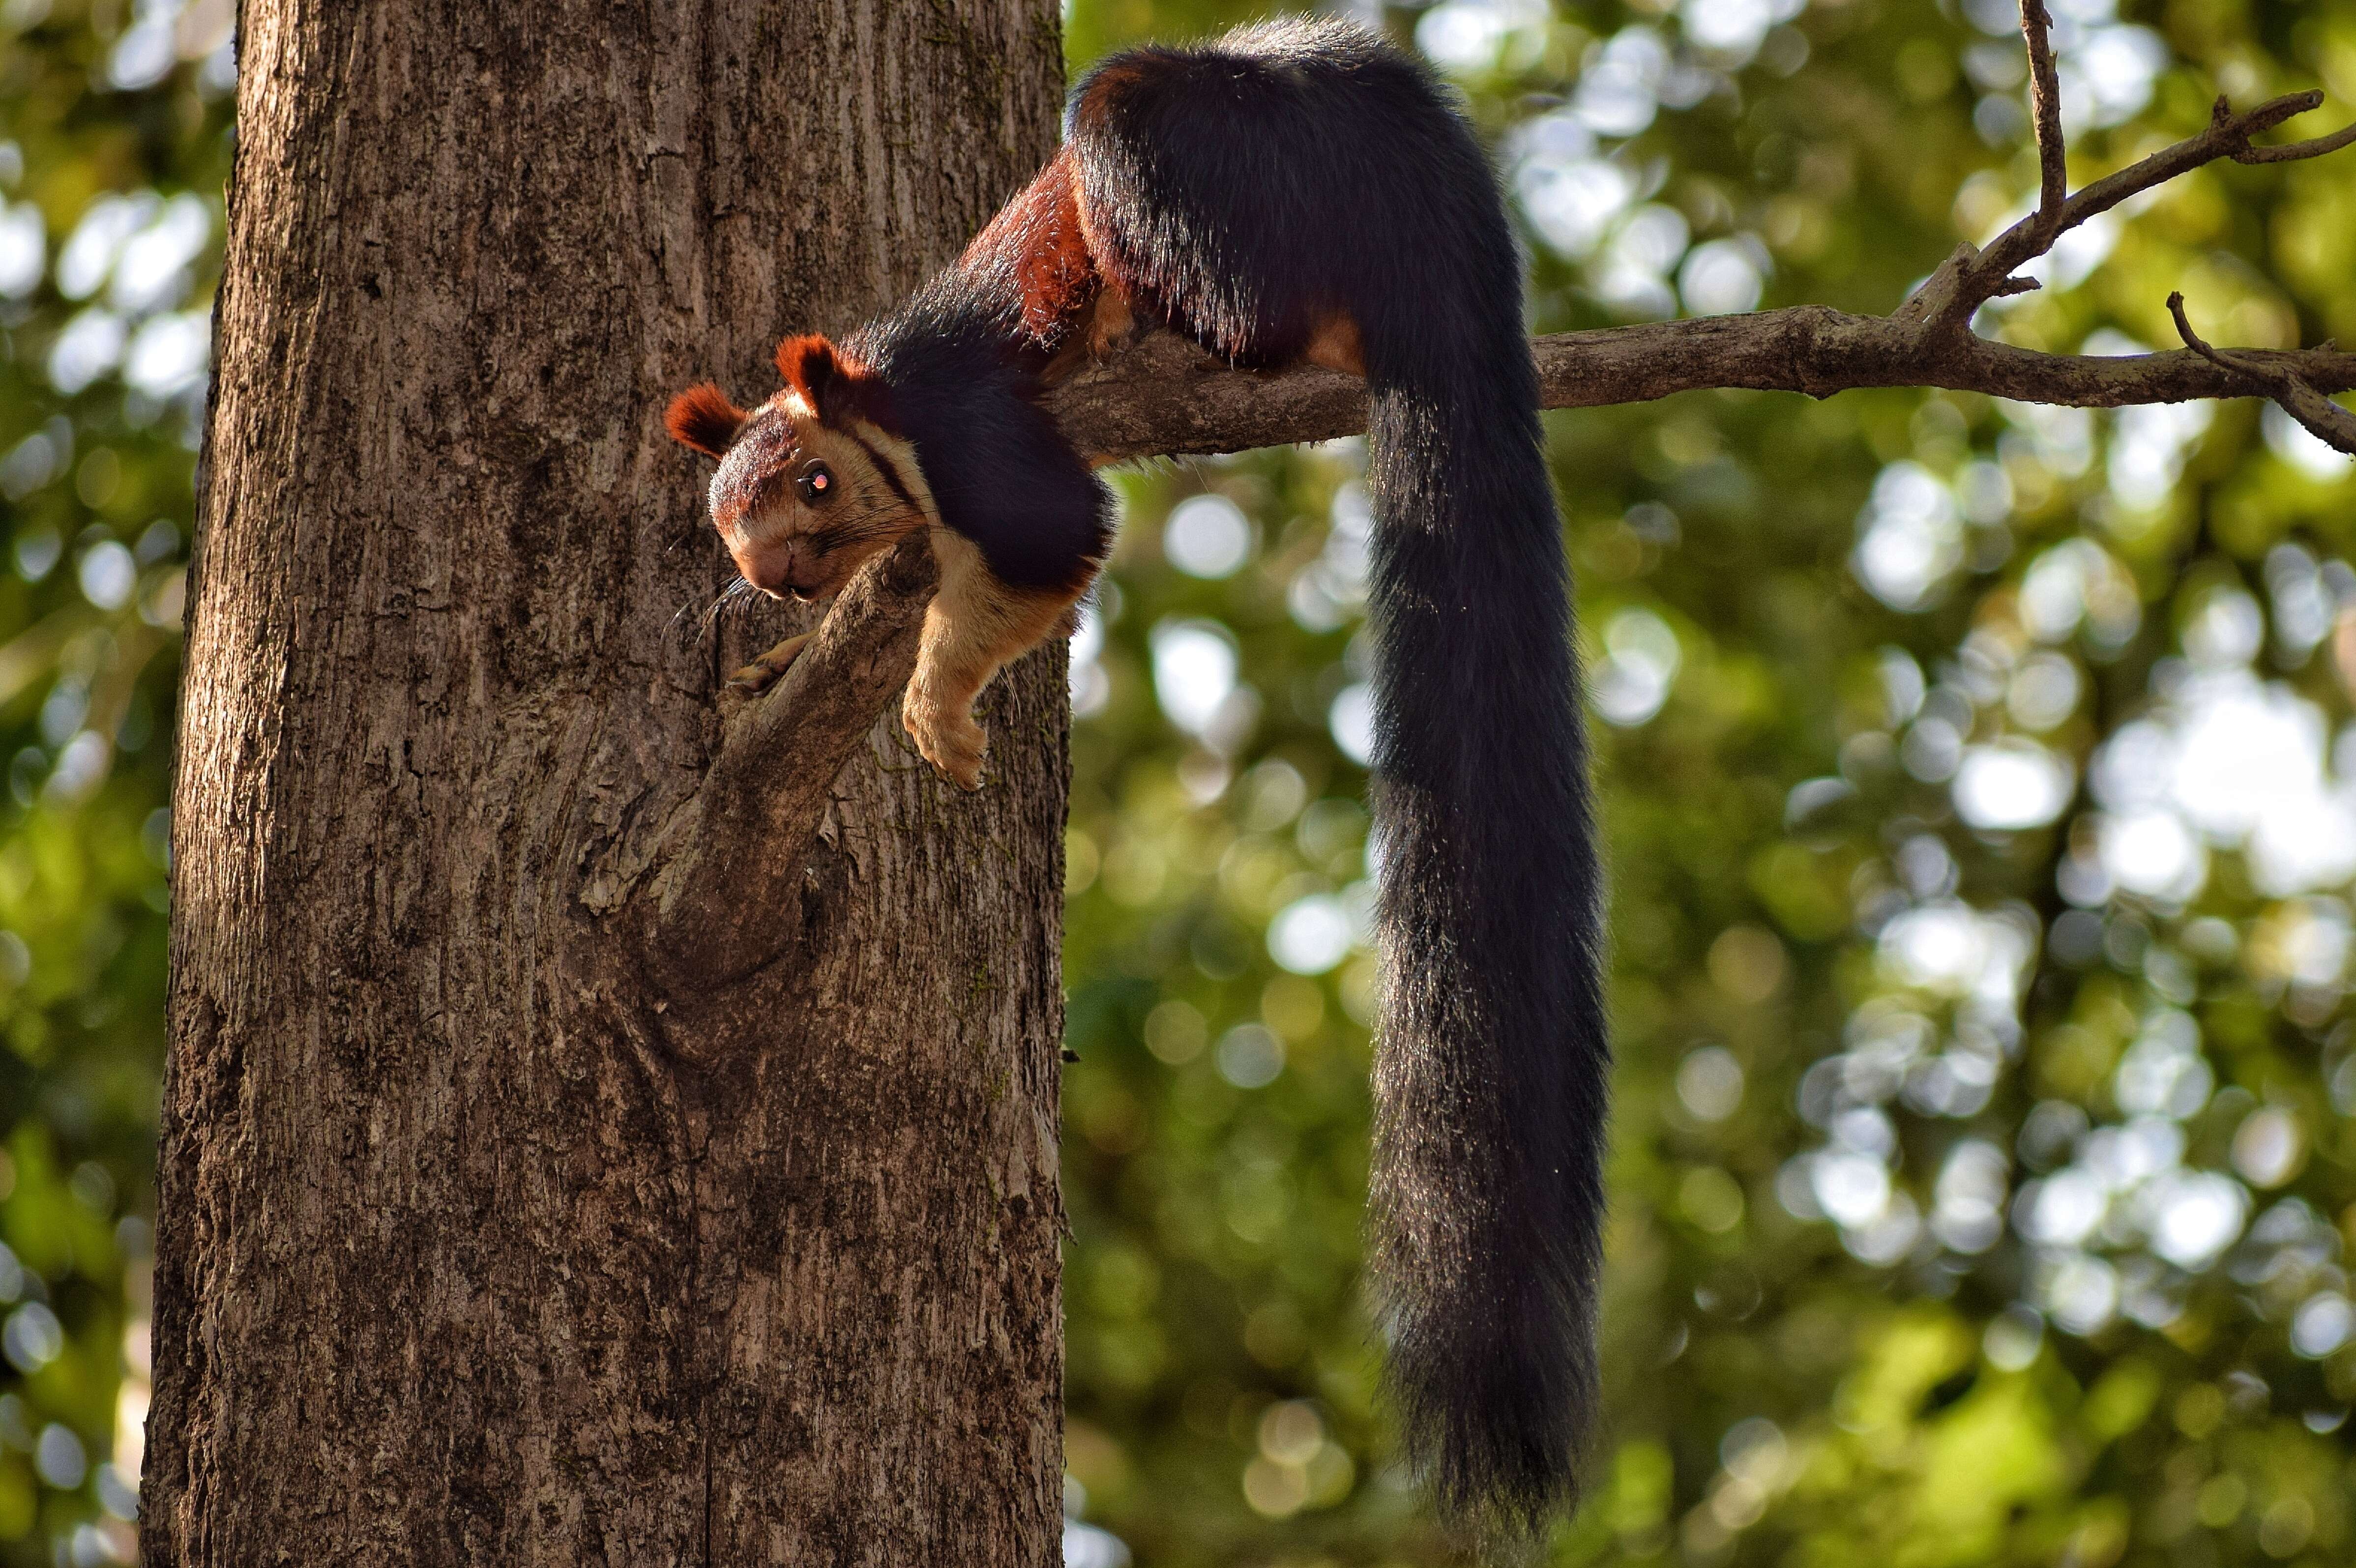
(1973, 276)
(1970, 277)
(2282, 382)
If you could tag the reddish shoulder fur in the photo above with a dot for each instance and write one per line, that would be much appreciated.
(1038, 243)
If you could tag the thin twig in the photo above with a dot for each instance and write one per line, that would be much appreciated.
(2323, 418)
(2045, 103)
(2290, 151)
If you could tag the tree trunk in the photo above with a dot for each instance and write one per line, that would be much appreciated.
(567, 1160)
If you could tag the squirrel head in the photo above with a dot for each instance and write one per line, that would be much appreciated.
(815, 482)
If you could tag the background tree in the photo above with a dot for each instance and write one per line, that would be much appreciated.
(1892, 1274)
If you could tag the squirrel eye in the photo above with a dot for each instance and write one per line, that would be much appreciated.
(817, 482)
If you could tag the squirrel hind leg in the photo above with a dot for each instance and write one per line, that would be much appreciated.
(1111, 325)
(1103, 328)
(1336, 345)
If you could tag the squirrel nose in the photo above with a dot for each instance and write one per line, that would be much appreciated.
(782, 569)
(768, 576)
(805, 577)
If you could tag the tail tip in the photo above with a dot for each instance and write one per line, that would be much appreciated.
(1501, 1438)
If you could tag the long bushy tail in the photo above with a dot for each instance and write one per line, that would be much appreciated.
(1239, 191)
(1492, 1063)
(1492, 1066)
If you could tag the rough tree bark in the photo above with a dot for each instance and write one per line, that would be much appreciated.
(603, 1126)
(561, 1166)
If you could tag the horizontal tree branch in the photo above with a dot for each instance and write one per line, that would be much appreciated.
(1165, 397)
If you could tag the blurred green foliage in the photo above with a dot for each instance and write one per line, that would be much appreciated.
(113, 147)
(1979, 791)
(1979, 782)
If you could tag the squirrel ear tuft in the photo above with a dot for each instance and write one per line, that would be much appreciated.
(810, 367)
(703, 417)
(834, 386)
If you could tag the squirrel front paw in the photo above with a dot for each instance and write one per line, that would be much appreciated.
(761, 673)
(948, 737)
